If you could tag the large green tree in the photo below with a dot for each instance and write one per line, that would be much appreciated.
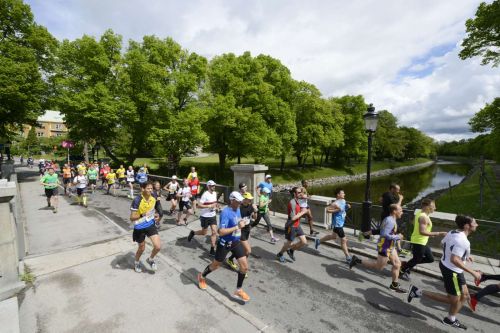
(483, 34)
(389, 141)
(26, 55)
(488, 120)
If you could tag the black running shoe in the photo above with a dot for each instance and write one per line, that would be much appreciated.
(354, 261)
(290, 254)
(405, 276)
(212, 252)
(455, 323)
(395, 286)
(412, 293)
(191, 235)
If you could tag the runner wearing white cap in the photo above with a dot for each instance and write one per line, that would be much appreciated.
(172, 187)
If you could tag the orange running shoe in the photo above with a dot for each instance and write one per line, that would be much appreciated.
(240, 294)
(202, 284)
(472, 302)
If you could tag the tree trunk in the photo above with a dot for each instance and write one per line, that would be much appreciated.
(299, 159)
(282, 163)
(222, 160)
(110, 154)
(314, 160)
(239, 159)
(86, 152)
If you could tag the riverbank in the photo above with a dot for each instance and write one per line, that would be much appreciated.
(356, 177)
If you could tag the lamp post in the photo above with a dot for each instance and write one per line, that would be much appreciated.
(371, 119)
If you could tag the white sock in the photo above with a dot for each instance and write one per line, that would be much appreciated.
(137, 262)
(452, 318)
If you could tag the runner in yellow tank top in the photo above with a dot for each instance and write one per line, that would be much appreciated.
(422, 230)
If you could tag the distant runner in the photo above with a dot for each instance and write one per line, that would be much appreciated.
(50, 181)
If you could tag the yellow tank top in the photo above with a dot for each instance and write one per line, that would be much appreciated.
(416, 237)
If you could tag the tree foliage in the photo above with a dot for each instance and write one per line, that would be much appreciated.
(488, 120)
(483, 37)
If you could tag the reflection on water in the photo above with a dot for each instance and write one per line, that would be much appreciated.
(414, 185)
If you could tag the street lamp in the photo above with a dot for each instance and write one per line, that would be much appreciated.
(371, 120)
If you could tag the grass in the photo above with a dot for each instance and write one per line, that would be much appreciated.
(464, 198)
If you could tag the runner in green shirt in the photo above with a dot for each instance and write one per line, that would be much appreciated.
(50, 181)
(92, 175)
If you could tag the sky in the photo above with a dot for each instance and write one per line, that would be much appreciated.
(402, 56)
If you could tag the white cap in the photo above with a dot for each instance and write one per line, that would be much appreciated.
(174, 177)
(266, 190)
(235, 195)
(210, 183)
(268, 176)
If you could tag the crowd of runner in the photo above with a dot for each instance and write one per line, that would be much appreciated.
(231, 232)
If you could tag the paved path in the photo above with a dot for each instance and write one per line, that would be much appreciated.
(91, 287)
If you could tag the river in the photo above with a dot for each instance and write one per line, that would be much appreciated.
(414, 185)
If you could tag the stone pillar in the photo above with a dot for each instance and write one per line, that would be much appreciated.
(9, 264)
(318, 205)
(250, 174)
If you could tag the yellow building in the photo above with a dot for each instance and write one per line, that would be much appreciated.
(50, 124)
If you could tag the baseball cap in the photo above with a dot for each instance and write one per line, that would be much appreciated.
(248, 195)
(141, 168)
(174, 177)
(210, 183)
(266, 190)
(242, 185)
(268, 176)
(235, 195)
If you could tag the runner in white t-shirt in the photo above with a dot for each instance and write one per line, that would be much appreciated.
(209, 205)
(80, 181)
(456, 252)
(184, 196)
(131, 180)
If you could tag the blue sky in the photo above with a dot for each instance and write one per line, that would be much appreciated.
(401, 55)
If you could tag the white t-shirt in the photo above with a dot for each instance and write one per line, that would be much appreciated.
(172, 188)
(130, 175)
(185, 193)
(455, 242)
(208, 198)
(80, 181)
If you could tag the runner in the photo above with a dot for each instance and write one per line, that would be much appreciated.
(248, 212)
(266, 184)
(172, 187)
(120, 173)
(192, 174)
(41, 167)
(142, 176)
(103, 173)
(209, 205)
(243, 188)
(111, 179)
(131, 180)
(488, 290)
(50, 181)
(263, 212)
(386, 248)
(194, 184)
(456, 251)
(81, 184)
(292, 227)
(309, 217)
(92, 175)
(422, 230)
(338, 209)
(230, 227)
(184, 196)
(144, 216)
(67, 175)
(157, 195)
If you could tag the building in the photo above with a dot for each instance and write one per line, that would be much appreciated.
(50, 124)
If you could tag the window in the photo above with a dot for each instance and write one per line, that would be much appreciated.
(39, 134)
(59, 126)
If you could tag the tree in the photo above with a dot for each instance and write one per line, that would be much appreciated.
(483, 37)
(388, 140)
(31, 143)
(26, 55)
(488, 119)
(417, 143)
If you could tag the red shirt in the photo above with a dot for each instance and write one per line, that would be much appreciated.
(294, 209)
(194, 184)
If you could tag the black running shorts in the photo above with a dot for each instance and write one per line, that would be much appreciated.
(292, 232)
(184, 204)
(339, 231)
(223, 249)
(80, 191)
(66, 180)
(453, 281)
(245, 233)
(139, 235)
(51, 192)
(208, 221)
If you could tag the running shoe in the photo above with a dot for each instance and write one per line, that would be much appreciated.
(274, 240)
(354, 261)
(55, 210)
(348, 260)
(405, 276)
(202, 283)
(137, 267)
(191, 235)
(396, 286)
(231, 264)
(403, 253)
(316, 243)
(290, 254)
(478, 282)
(313, 233)
(241, 295)
(472, 300)
(412, 293)
(212, 252)
(455, 323)
(281, 258)
(152, 263)
(361, 238)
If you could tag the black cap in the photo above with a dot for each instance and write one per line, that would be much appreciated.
(242, 185)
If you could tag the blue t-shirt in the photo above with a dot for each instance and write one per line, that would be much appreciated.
(229, 219)
(142, 177)
(338, 218)
(266, 185)
(146, 209)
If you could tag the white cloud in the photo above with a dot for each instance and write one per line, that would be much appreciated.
(380, 49)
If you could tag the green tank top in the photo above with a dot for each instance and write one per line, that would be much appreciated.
(416, 237)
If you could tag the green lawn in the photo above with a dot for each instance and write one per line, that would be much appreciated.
(464, 198)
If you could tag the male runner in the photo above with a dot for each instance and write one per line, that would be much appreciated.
(103, 173)
(230, 227)
(488, 290)
(208, 219)
(157, 195)
(265, 184)
(131, 180)
(50, 181)
(292, 227)
(81, 184)
(172, 187)
(263, 212)
(422, 230)
(120, 173)
(309, 217)
(456, 252)
(192, 174)
(338, 209)
(386, 248)
(184, 196)
(141, 176)
(66, 171)
(92, 175)
(111, 179)
(194, 184)
(144, 215)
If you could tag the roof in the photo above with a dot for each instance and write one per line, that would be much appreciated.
(51, 117)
